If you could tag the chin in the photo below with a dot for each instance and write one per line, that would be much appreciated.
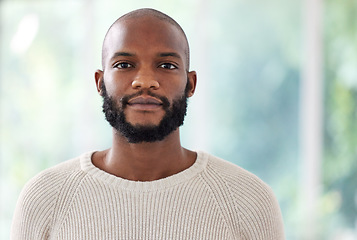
(145, 125)
(146, 122)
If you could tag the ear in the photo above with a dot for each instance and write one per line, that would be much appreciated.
(192, 78)
(98, 75)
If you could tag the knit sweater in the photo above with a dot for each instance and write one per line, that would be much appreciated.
(212, 199)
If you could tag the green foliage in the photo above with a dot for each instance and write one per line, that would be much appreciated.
(340, 165)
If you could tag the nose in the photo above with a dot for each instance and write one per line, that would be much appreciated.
(145, 80)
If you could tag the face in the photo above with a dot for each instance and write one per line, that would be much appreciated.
(145, 80)
(173, 118)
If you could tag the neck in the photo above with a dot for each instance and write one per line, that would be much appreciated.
(145, 161)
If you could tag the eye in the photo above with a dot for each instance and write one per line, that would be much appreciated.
(123, 65)
(168, 66)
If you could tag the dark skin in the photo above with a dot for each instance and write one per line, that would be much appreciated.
(148, 54)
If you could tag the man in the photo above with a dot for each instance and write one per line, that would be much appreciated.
(146, 186)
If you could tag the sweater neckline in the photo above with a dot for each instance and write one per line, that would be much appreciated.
(118, 182)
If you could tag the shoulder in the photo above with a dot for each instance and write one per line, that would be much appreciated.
(251, 200)
(38, 199)
(235, 176)
(49, 179)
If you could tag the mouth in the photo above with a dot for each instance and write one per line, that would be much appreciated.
(145, 103)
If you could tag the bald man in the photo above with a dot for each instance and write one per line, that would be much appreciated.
(146, 186)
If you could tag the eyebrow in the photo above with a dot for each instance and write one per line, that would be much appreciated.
(125, 54)
(169, 54)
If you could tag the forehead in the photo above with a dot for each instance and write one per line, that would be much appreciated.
(144, 35)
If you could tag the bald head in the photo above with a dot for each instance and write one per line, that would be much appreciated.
(140, 15)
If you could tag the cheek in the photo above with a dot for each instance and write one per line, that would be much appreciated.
(181, 90)
(116, 85)
(174, 87)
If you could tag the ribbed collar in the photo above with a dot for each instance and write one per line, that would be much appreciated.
(117, 182)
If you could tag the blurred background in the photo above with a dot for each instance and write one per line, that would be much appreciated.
(276, 94)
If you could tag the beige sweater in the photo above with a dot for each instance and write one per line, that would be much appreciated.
(213, 199)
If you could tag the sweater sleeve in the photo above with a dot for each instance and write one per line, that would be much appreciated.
(260, 215)
(36, 205)
(34, 209)
(254, 205)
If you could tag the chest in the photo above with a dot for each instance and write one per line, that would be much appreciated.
(178, 213)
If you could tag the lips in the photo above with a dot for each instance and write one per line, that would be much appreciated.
(145, 103)
(145, 100)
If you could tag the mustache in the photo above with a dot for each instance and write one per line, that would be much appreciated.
(125, 99)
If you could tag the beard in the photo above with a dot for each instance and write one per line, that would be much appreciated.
(173, 118)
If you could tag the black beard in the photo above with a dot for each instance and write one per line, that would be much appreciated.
(173, 118)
